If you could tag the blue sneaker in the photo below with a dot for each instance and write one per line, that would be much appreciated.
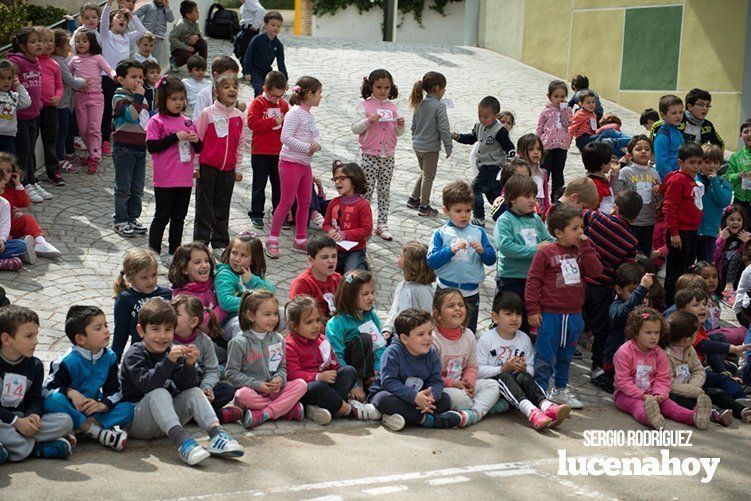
(225, 445)
(54, 449)
(3, 454)
(192, 453)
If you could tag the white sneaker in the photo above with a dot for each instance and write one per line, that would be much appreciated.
(225, 445)
(79, 144)
(383, 232)
(393, 422)
(124, 229)
(319, 415)
(46, 249)
(33, 194)
(316, 222)
(565, 397)
(30, 257)
(45, 194)
(365, 412)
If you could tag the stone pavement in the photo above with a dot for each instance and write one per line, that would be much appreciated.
(79, 219)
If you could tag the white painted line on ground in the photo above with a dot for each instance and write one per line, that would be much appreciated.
(324, 498)
(389, 489)
(520, 466)
(447, 481)
(511, 473)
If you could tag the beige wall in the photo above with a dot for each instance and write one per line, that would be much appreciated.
(565, 37)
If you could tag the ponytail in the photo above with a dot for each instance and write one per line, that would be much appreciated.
(302, 87)
(428, 84)
(120, 283)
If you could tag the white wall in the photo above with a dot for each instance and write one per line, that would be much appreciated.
(435, 29)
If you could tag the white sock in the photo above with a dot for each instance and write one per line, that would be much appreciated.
(40, 240)
(526, 407)
(544, 404)
(94, 431)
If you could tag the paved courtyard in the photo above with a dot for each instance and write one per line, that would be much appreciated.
(79, 222)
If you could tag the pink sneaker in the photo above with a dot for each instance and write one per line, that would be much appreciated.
(539, 420)
(93, 166)
(231, 414)
(296, 413)
(106, 148)
(300, 246)
(10, 264)
(557, 413)
(272, 249)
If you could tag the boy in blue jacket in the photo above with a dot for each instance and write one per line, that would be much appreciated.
(459, 250)
(717, 196)
(409, 388)
(669, 138)
(84, 384)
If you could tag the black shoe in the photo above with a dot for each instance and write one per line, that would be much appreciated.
(257, 222)
(427, 211)
(577, 354)
(604, 381)
(57, 179)
(413, 203)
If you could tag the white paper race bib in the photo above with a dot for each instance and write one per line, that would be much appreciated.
(14, 389)
(370, 328)
(461, 254)
(386, 115)
(593, 123)
(143, 119)
(185, 152)
(273, 112)
(454, 368)
(414, 382)
(644, 189)
(570, 271)
(682, 374)
(275, 356)
(559, 122)
(540, 185)
(221, 125)
(329, 298)
(448, 103)
(607, 204)
(698, 192)
(529, 235)
(325, 349)
(746, 183)
(641, 379)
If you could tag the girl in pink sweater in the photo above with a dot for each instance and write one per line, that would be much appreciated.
(27, 46)
(300, 141)
(88, 63)
(378, 125)
(173, 142)
(552, 127)
(52, 92)
(642, 375)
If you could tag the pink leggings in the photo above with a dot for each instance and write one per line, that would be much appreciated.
(276, 405)
(668, 408)
(296, 180)
(89, 109)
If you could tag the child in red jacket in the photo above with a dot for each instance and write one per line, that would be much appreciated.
(22, 225)
(310, 357)
(682, 209)
(265, 118)
(348, 219)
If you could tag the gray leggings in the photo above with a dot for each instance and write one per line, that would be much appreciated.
(158, 412)
(54, 425)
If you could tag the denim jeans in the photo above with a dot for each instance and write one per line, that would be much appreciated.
(352, 260)
(13, 248)
(130, 176)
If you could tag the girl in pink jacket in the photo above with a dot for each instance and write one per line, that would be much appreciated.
(552, 127)
(642, 375)
(300, 141)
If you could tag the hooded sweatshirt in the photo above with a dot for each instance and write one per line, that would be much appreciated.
(682, 203)
(307, 357)
(230, 287)
(30, 75)
(252, 361)
(142, 372)
(52, 80)
(11, 102)
(686, 372)
(343, 328)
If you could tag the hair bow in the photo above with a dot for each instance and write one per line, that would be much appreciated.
(296, 88)
(644, 316)
(248, 233)
(160, 82)
(348, 279)
(365, 78)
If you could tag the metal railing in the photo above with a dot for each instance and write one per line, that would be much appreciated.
(4, 49)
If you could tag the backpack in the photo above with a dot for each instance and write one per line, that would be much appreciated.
(221, 22)
(242, 40)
